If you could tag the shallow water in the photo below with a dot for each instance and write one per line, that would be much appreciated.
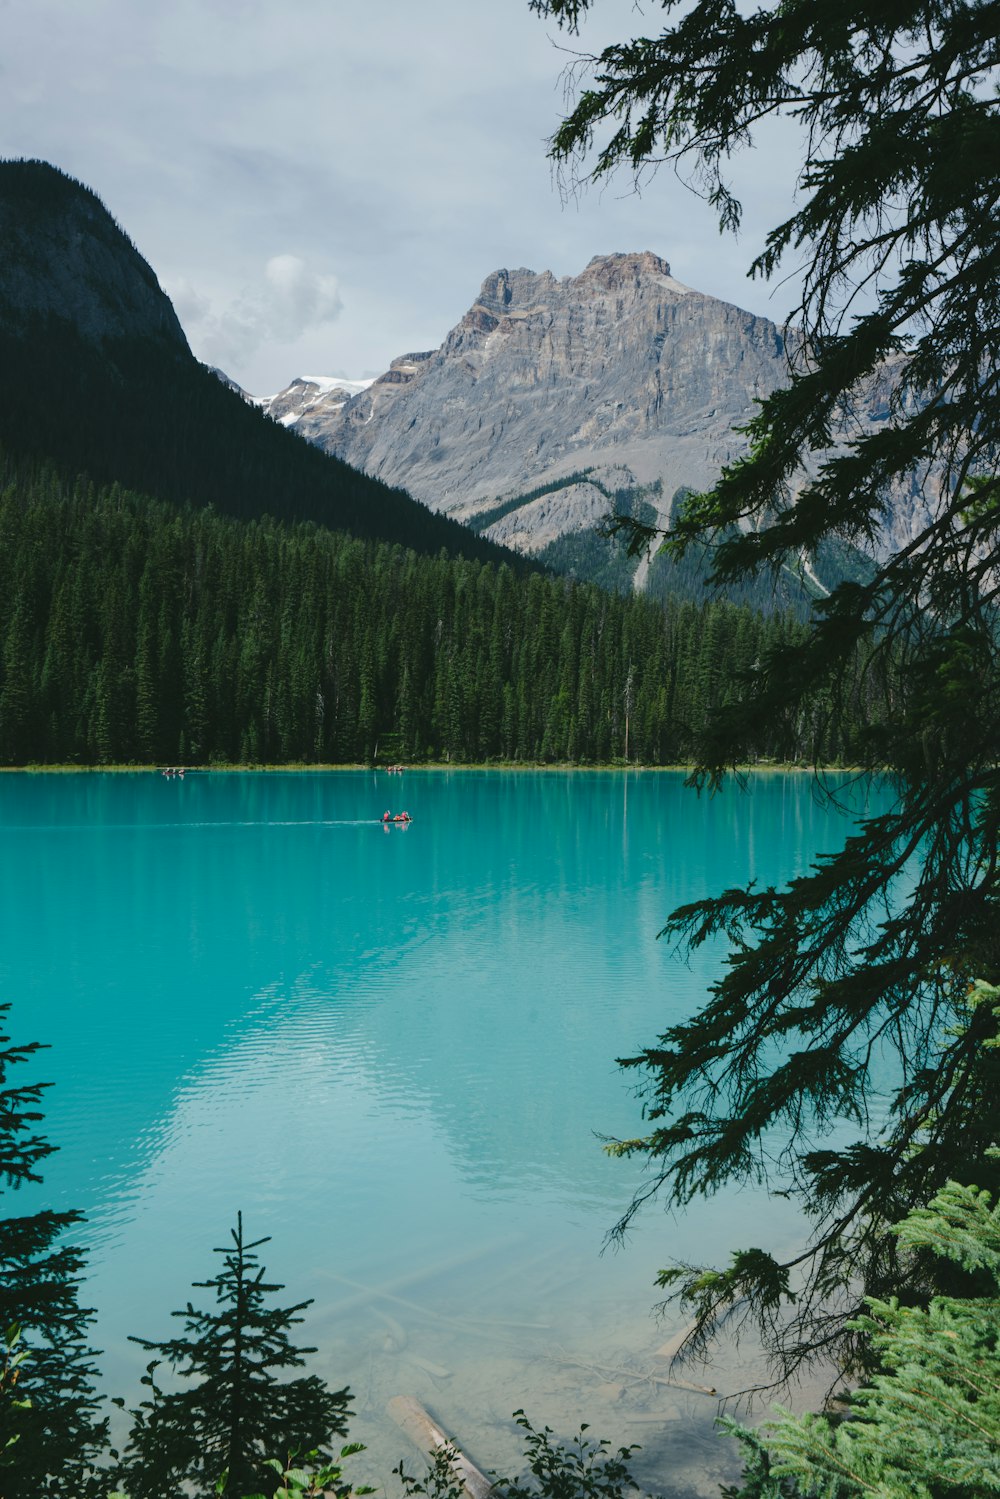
(394, 1050)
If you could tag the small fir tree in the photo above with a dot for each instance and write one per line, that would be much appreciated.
(234, 1414)
(50, 1431)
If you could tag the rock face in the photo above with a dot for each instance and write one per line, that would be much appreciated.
(621, 371)
(620, 381)
(64, 257)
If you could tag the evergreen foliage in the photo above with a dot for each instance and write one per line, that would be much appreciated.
(606, 555)
(235, 1415)
(483, 519)
(927, 1426)
(137, 632)
(51, 1434)
(860, 968)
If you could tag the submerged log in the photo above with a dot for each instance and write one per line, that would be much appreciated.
(654, 1418)
(524, 1269)
(424, 1432)
(683, 1384)
(389, 1289)
(412, 1306)
(475, 1320)
(673, 1345)
(640, 1376)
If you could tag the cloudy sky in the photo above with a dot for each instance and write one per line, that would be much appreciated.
(323, 186)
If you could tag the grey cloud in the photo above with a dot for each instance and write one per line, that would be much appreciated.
(289, 300)
(402, 144)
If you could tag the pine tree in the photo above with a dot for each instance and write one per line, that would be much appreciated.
(52, 1435)
(233, 1414)
(858, 969)
(927, 1426)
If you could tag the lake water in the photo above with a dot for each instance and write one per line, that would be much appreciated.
(394, 1050)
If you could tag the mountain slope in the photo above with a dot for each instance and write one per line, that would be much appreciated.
(65, 259)
(619, 374)
(96, 375)
(553, 402)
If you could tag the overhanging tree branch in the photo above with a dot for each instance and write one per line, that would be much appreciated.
(866, 961)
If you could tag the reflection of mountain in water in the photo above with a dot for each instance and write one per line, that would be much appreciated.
(390, 1050)
(197, 945)
(542, 911)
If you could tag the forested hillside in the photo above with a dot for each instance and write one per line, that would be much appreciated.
(135, 631)
(96, 375)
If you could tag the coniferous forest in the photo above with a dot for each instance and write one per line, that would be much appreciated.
(139, 632)
(217, 591)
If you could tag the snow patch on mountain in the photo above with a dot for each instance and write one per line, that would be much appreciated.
(307, 393)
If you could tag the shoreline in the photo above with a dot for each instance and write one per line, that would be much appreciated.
(515, 767)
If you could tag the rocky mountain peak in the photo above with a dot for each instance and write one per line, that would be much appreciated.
(514, 291)
(618, 271)
(65, 258)
(554, 399)
(620, 370)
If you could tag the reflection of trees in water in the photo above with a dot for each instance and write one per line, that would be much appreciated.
(481, 973)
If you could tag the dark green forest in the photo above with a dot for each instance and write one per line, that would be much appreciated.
(604, 555)
(187, 603)
(138, 632)
(81, 387)
(134, 413)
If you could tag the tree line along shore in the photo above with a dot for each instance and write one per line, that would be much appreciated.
(141, 633)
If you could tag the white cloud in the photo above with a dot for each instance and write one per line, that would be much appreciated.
(289, 300)
(403, 144)
(189, 304)
(299, 298)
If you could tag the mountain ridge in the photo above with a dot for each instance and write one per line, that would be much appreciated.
(66, 257)
(550, 393)
(621, 369)
(96, 376)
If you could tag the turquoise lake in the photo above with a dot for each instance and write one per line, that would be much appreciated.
(394, 1051)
